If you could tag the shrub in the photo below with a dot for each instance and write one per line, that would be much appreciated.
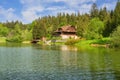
(95, 29)
(13, 36)
(72, 41)
(26, 35)
(15, 39)
(115, 37)
(101, 41)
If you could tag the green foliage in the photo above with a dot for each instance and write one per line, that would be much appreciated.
(84, 43)
(46, 26)
(15, 35)
(97, 24)
(104, 15)
(72, 41)
(3, 30)
(11, 25)
(94, 11)
(82, 24)
(102, 41)
(18, 32)
(87, 43)
(116, 37)
(39, 29)
(113, 21)
(95, 29)
(16, 38)
(2, 39)
(117, 14)
(26, 35)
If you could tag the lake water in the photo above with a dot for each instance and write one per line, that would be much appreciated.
(36, 62)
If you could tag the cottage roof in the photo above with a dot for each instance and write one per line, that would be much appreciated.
(68, 28)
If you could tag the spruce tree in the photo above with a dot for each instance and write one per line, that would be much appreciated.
(94, 11)
(117, 14)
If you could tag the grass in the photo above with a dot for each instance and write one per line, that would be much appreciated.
(86, 43)
(102, 41)
(72, 41)
(81, 43)
(2, 39)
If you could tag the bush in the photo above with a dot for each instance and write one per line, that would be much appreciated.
(3, 31)
(72, 41)
(26, 35)
(15, 39)
(95, 29)
(101, 41)
(115, 38)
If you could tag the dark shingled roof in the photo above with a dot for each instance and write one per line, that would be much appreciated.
(68, 28)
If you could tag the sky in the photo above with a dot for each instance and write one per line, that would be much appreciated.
(28, 10)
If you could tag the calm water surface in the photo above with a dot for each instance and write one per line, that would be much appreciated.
(35, 62)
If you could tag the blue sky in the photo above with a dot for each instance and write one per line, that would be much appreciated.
(29, 10)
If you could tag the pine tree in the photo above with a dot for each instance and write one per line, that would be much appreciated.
(94, 11)
(104, 15)
(117, 14)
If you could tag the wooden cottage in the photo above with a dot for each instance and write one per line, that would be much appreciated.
(66, 32)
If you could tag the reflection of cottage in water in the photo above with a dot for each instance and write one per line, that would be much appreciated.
(68, 48)
(66, 32)
(68, 55)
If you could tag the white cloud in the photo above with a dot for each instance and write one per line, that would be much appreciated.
(85, 8)
(27, 1)
(33, 9)
(8, 14)
(69, 3)
(79, 1)
(109, 6)
(31, 13)
(67, 11)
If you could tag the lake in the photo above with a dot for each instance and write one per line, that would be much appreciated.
(41, 62)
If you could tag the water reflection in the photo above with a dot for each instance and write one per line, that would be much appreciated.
(68, 48)
(89, 65)
(58, 63)
(14, 45)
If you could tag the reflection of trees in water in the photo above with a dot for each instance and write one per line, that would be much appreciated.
(55, 47)
(94, 64)
(14, 45)
(45, 47)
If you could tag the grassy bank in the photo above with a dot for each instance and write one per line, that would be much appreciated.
(82, 42)
(95, 42)
(2, 39)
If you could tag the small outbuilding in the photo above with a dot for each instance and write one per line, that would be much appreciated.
(66, 32)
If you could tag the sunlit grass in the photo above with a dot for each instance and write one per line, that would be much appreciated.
(86, 43)
(2, 39)
(102, 41)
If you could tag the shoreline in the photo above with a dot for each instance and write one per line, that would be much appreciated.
(104, 42)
